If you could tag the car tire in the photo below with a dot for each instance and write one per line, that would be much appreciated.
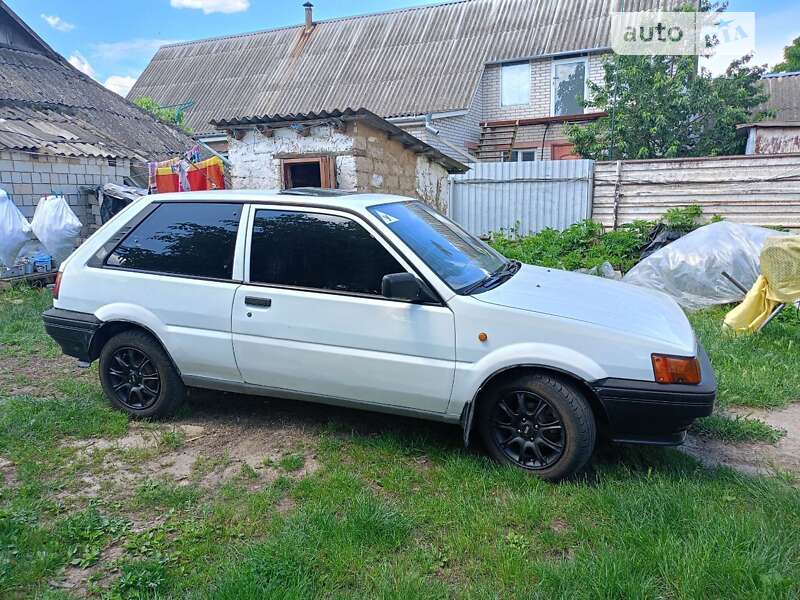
(539, 423)
(138, 377)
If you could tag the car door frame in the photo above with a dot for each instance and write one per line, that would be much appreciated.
(359, 219)
(393, 251)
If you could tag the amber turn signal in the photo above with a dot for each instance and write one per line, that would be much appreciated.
(676, 369)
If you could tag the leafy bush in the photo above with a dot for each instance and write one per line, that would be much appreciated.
(683, 219)
(587, 244)
(583, 245)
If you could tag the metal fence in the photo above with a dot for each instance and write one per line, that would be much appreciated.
(527, 195)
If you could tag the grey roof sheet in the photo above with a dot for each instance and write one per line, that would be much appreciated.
(403, 62)
(784, 95)
(46, 105)
(350, 114)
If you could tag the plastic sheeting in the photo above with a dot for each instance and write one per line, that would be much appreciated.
(56, 226)
(690, 269)
(14, 230)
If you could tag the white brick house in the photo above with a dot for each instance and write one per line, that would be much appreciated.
(495, 78)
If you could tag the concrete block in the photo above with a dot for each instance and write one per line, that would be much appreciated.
(60, 167)
(72, 178)
(43, 189)
(23, 188)
(6, 165)
(77, 168)
(42, 167)
(93, 169)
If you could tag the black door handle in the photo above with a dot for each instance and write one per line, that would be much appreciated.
(254, 301)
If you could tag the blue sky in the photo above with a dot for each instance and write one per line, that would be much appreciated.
(113, 40)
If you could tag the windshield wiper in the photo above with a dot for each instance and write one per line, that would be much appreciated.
(506, 271)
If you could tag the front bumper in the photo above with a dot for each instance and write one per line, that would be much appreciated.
(646, 412)
(73, 331)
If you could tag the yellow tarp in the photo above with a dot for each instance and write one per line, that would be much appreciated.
(779, 283)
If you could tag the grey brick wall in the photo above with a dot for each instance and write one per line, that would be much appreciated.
(27, 177)
(539, 104)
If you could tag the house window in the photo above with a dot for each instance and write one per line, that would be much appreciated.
(515, 84)
(308, 171)
(569, 86)
(523, 155)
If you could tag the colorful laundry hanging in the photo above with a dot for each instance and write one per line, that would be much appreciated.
(186, 173)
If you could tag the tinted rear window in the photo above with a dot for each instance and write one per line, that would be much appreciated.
(197, 239)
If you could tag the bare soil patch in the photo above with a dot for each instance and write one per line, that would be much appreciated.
(36, 374)
(755, 458)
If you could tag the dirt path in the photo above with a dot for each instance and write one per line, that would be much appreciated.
(759, 459)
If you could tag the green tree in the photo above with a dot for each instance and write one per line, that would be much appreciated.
(174, 115)
(662, 107)
(791, 58)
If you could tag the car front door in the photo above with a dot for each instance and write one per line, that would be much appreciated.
(310, 317)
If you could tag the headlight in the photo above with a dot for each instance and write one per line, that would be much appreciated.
(676, 369)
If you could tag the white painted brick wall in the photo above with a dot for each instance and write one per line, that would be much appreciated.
(254, 165)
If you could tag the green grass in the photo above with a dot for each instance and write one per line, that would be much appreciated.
(753, 370)
(21, 330)
(404, 514)
(737, 429)
(292, 462)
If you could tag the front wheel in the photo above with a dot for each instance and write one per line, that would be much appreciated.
(538, 423)
(138, 377)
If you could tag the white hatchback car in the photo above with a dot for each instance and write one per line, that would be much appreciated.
(376, 302)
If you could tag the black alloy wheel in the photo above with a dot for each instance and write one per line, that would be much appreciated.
(134, 378)
(528, 430)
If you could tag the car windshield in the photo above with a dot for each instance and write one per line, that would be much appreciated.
(458, 258)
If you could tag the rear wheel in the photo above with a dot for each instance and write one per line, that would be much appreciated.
(138, 377)
(538, 423)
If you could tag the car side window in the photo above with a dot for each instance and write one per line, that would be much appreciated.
(196, 239)
(318, 251)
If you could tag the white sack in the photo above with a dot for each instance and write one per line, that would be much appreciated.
(14, 230)
(690, 268)
(56, 226)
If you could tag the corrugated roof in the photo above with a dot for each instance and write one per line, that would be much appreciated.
(784, 95)
(362, 114)
(397, 63)
(46, 105)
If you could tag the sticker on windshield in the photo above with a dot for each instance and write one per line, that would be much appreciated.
(388, 219)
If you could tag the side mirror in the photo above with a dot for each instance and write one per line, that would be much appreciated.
(405, 286)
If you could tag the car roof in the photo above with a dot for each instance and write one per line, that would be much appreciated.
(297, 196)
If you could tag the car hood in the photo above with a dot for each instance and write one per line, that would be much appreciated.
(603, 302)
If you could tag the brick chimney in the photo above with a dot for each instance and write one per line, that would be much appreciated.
(309, 16)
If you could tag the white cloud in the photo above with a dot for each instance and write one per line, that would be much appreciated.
(139, 47)
(213, 6)
(78, 61)
(120, 84)
(57, 23)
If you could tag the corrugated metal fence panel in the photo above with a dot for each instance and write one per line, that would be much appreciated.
(759, 190)
(535, 195)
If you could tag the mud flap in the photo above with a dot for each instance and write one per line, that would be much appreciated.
(466, 421)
